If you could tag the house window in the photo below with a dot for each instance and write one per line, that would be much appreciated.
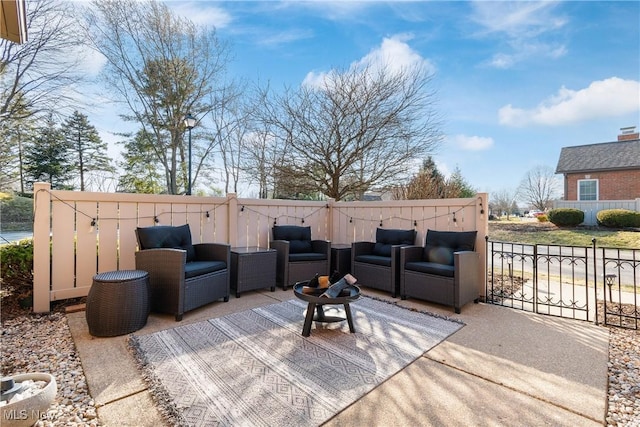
(588, 189)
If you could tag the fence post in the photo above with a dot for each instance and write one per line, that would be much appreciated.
(595, 281)
(329, 219)
(232, 214)
(41, 244)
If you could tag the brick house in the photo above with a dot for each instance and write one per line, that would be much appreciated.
(605, 171)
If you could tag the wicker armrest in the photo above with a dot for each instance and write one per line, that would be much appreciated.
(213, 252)
(361, 248)
(466, 265)
(321, 246)
(410, 254)
(165, 263)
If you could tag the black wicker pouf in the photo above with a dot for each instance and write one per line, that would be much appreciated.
(118, 302)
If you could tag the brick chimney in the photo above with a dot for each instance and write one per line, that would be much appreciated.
(628, 134)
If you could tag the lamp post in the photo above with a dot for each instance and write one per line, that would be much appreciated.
(189, 122)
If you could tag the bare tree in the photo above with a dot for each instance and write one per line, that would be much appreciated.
(502, 202)
(359, 129)
(162, 67)
(39, 76)
(539, 187)
(230, 129)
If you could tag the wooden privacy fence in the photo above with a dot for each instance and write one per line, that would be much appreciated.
(79, 234)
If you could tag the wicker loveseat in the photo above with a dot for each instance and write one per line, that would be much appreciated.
(182, 276)
(377, 264)
(445, 271)
(298, 257)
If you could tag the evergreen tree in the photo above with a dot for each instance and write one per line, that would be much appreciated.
(459, 186)
(88, 151)
(47, 157)
(140, 166)
(429, 183)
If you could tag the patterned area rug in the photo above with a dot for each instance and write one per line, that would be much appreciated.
(254, 368)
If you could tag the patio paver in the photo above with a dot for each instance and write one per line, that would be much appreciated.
(505, 367)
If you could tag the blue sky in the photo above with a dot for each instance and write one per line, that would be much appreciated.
(516, 81)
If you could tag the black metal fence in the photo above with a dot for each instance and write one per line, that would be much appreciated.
(586, 283)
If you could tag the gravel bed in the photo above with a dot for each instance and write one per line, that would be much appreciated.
(44, 344)
(624, 378)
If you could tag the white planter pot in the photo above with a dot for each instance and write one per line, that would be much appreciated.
(28, 411)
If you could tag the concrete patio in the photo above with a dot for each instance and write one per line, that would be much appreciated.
(505, 367)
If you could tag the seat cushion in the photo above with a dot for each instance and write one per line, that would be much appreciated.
(385, 238)
(306, 256)
(374, 259)
(440, 245)
(167, 236)
(299, 238)
(430, 268)
(198, 268)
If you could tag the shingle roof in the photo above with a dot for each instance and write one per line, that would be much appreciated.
(596, 157)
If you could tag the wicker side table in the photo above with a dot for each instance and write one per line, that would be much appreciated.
(340, 258)
(253, 268)
(118, 302)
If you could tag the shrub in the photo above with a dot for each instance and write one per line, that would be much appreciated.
(566, 217)
(542, 218)
(16, 266)
(618, 218)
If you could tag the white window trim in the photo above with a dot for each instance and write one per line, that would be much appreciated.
(597, 187)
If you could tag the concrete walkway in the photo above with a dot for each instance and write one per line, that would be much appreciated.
(505, 367)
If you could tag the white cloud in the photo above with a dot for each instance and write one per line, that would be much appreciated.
(394, 54)
(603, 98)
(284, 37)
(516, 19)
(471, 143)
(202, 13)
(525, 28)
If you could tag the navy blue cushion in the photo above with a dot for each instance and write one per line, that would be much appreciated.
(385, 238)
(198, 268)
(167, 236)
(440, 245)
(430, 268)
(306, 256)
(374, 259)
(299, 238)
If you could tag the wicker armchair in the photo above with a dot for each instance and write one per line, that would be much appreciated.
(298, 257)
(182, 276)
(377, 264)
(445, 271)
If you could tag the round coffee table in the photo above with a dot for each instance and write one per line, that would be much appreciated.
(316, 303)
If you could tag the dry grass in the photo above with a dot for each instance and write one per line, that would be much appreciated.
(545, 233)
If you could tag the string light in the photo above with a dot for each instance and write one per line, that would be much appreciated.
(93, 225)
(207, 213)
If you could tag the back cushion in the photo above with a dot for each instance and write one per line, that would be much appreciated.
(385, 238)
(166, 236)
(440, 245)
(299, 238)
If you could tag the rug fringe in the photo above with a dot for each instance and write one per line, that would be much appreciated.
(158, 392)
